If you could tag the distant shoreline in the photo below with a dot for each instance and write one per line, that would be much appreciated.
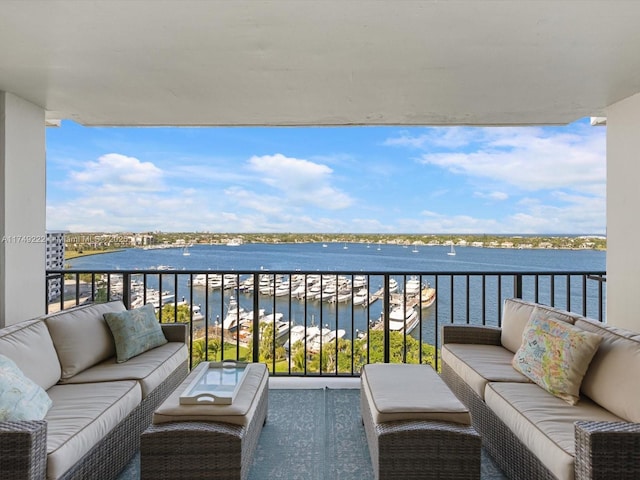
(71, 255)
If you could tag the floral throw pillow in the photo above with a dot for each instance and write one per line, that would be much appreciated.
(555, 355)
(135, 331)
(20, 397)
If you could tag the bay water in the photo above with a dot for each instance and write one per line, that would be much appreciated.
(474, 298)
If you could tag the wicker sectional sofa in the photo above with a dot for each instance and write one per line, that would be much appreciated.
(99, 407)
(531, 433)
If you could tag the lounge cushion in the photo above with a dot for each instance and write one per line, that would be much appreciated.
(150, 368)
(542, 422)
(240, 412)
(607, 381)
(29, 345)
(81, 336)
(135, 331)
(517, 313)
(478, 365)
(81, 416)
(555, 355)
(423, 394)
(20, 397)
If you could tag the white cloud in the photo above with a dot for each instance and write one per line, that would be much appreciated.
(446, 137)
(531, 159)
(301, 182)
(116, 173)
(497, 196)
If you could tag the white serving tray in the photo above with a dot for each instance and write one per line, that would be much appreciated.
(216, 384)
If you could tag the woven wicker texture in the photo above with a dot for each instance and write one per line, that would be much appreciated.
(23, 450)
(201, 450)
(483, 335)
(607, 450)
(417, 449)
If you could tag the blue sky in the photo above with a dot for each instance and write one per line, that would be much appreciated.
(528, 180)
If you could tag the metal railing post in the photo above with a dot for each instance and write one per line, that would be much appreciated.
(517, 286)
(126, 290)
(385, 320)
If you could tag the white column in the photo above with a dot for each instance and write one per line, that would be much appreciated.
(623, 214)
(22, 209)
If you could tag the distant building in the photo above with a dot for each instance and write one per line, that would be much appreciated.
(54, 261)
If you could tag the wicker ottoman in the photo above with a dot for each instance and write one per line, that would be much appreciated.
(415, 425)
(203, 441)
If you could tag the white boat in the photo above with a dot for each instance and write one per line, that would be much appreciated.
(361, 297)
(428, 296)
(412, 286)
(343, 296)
(238, 316)
(299, 292)
(296, 334)
(329, 293)
(154, 297)
(234, 242)
(318, 338)
(393, 285)
(212, 280)
(186, 252)
(246, 285)
(281, 327)
(359, 281)
(282, 290)
(399, 320)
(452, 251)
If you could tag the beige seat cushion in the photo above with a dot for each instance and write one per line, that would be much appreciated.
(478, 365)
(81, 336)
(150, 368)
(80, 418)
(410, 392)
(29, 345)
(240, 412)
(543, 422)
(607, 381)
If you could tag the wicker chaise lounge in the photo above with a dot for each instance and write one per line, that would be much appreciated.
(531, 434)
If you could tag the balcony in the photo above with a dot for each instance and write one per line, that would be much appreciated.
(313, 323)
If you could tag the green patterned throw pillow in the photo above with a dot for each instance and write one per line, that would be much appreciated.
(20, 397)
(135, 331)
(555, 355)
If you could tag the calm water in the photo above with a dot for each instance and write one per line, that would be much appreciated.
(452, 304)
(356, 257)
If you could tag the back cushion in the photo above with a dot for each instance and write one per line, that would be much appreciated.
(612, 377)
(29, 345)
(82, 337)
(516, 315)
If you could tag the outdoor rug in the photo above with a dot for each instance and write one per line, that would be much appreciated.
(314, 434)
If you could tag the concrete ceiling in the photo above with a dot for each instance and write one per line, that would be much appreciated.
(320, 62)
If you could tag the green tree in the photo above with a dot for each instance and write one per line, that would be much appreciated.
(266, 342)
(171, 313)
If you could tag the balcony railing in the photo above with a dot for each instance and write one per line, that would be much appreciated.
(326, 323)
